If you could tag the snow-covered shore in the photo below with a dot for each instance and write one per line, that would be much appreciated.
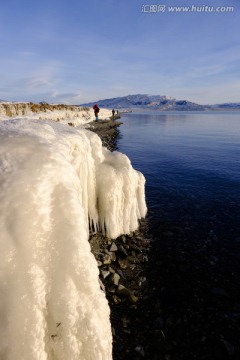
(53, 178)
(64, 114)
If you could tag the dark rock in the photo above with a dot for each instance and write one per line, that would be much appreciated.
(125, 322)
(123, 263)
(121, 273)
(116, 299)
(135, 247)
(219, 292)
(158, 323)
(111, 289)
(139, 349)
(123, 250)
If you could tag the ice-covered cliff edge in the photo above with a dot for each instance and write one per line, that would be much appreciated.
(52, 179)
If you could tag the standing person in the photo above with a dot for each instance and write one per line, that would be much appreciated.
(113, 112)
(96, 111)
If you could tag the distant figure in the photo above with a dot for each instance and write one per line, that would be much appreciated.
(117, 111)
(96, 111)
(113, 112)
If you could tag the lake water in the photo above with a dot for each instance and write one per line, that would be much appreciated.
(191, 162)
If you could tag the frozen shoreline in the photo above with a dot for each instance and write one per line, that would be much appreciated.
(51, 155)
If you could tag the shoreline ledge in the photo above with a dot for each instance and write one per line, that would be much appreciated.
(123, 267)
(107, 130)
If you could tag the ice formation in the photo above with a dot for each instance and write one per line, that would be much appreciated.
(53, 180)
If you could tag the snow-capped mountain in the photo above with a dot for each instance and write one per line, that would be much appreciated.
(155, 102)
(159, 102)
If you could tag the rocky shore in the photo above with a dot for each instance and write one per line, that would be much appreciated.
(107, 130)
(173, 288)
(122, 264)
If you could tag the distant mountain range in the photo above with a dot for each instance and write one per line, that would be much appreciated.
(158, 102)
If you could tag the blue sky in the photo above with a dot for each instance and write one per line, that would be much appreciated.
(74, 51)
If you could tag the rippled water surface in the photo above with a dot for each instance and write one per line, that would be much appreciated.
(191, 162)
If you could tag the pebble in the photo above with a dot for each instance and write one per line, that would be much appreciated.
(124, 240)
(105, 274)
(111, 270)
(123, 290)
(133, 298)
(101, 285)
(123, 250)
(116, 299)
(123, 263)
(120, 273)
(113, 247)
(135, 247)
(112, 255)
(106, 259)
(116, 279)
(125, 322)
(111, 289)
(133, 259)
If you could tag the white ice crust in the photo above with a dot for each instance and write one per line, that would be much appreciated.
(53, 180)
